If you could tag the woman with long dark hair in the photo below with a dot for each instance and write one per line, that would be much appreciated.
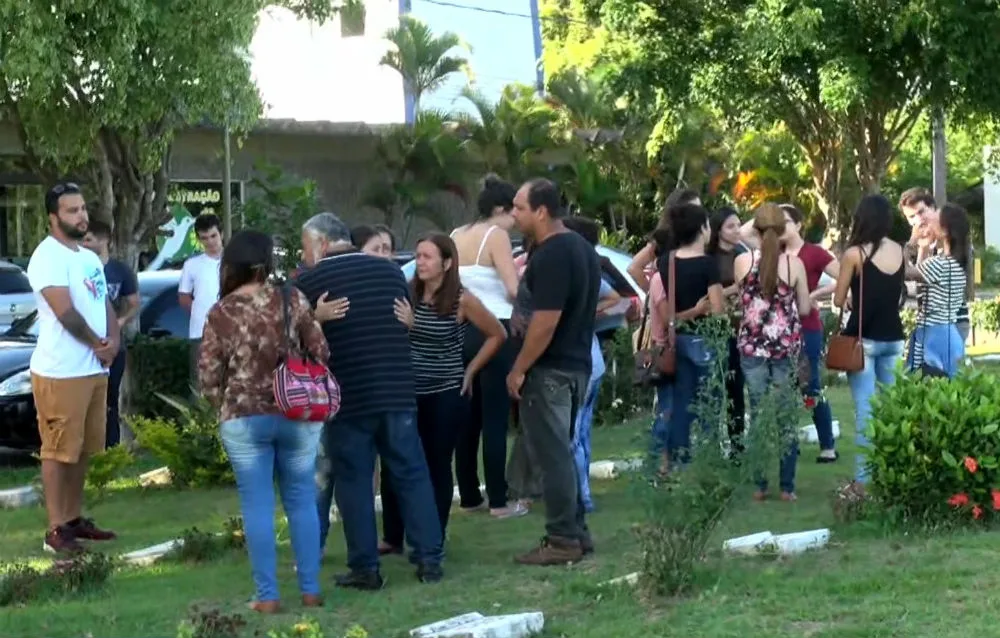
(243, 341)
(486, 269)
(872, 270)
(774, 296)
(937, 341)
(377, 240)
(725, 245)
(643, 263)
(442, 311)
(698, 293)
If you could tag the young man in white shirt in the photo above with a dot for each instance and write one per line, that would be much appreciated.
(199, 287)
(78, 339)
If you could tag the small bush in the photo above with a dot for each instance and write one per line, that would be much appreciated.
(190, 447)
(21, 583)
(985, 315)
(201, 547)
(682, 512)
(211, 622)
(309, 628)
(107, 466)
(936, 447)
(157, 366)
(619, 400)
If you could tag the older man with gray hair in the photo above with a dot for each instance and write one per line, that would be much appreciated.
(370, 357)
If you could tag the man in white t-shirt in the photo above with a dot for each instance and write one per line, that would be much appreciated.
(78, 340)
(199, 287)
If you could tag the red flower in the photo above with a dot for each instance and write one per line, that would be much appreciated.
(958, 500)
(977, 512)
(810, 402)
(996, 500)
(971, 464)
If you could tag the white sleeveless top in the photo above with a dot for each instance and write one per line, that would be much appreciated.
(485, 283)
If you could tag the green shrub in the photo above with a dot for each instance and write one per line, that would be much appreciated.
(190, 447)
(157, 366)
(936, 447)
(681, 512)
(619, 400)
(990, 259)
(21, 583)
(985, 314)
(108, 466)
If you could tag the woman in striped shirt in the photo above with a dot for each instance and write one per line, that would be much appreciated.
(440, 311)
(936, 341)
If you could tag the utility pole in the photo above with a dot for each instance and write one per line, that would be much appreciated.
(227, 188)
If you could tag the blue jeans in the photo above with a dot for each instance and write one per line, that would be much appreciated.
(672, 425)
(258, 447)
(351, 445)
(763, 375)
(943, 345)
(822, 417)
(880, 366)
(581, 441)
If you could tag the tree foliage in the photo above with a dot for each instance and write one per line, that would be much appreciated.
(841, 75)
(100, 88)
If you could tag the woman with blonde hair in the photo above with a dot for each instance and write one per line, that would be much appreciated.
(774, 296)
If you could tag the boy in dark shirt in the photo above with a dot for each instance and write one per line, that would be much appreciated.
(123, 292)
(554, 316)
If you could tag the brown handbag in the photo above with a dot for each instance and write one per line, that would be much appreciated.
(846, 353)
(654, 362)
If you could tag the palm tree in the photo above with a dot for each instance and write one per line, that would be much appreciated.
(419, 162)
(510, 137)
(421, 58)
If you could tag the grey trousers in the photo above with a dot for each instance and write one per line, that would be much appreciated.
(550, 399)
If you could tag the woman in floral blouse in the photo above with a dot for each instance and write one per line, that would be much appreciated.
(239, 353)
(774, 296)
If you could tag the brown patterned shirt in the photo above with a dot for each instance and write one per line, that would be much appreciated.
(241, 346)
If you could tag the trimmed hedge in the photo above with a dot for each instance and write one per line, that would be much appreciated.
(157, 366)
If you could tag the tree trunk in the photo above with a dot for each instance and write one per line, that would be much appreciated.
(826, 173)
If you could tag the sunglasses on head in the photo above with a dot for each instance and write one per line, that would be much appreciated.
(63, 188)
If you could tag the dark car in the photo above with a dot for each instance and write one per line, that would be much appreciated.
(160, 315)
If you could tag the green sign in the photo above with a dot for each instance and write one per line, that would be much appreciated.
(177, 240)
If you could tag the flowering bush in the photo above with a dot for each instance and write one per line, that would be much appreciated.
(936, 446)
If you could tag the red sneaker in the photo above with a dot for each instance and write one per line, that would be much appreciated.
(85, 529)
(62, 540)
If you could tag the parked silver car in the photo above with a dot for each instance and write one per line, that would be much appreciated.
(16, 298)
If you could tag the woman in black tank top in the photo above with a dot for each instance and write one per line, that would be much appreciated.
(874, 308)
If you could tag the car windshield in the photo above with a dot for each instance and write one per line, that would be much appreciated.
(13, 281)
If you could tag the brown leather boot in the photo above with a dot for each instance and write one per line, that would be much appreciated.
(265, 606)
(553, 550)
(312, 600)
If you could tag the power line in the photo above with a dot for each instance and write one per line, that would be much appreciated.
(510, 14)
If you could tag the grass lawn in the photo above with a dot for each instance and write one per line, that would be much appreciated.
(867, 584)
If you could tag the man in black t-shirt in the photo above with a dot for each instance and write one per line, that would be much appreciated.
(123, 292)
(554, 316)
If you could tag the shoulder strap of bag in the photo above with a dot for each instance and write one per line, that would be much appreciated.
(672, 300)
(861, 292)
(286, 302)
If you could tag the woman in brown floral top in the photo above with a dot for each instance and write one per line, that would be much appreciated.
(239, 353)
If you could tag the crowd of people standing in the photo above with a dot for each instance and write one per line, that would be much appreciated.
(432, 370)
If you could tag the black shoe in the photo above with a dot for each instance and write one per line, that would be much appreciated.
(429, 573)
(362, 581)
(587, 545)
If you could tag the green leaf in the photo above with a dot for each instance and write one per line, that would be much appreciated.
(991, 429)
(947, 457)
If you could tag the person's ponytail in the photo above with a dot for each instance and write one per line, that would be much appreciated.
(770, 251)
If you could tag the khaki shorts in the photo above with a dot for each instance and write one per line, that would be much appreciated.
(72, 416)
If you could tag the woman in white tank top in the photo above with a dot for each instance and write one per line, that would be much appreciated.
(486, 267)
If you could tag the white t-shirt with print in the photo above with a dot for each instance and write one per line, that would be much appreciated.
(200, 279)
(58, 354)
